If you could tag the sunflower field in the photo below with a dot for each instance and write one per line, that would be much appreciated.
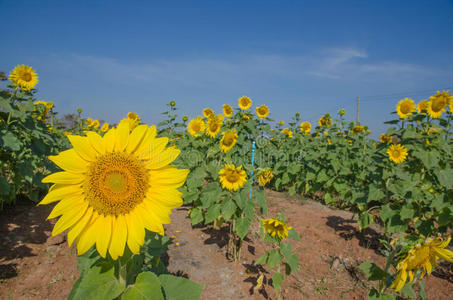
(123, 180)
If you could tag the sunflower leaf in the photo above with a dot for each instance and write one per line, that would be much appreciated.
(180, 288)
(146, 287)
(277, 279)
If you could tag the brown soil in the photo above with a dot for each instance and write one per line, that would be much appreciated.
(34, 265)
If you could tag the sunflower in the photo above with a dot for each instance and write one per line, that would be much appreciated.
(213, 125)
(341, 112)
(397, 153)
(358, 129)
(105, 127)
(423, 256)
(88, 122)
(438, 103)
(325, 121)
(422, 106)
(228, 140)
(265, 176)
(49, 105)
(405, 108)
(95, 124)
(247, 117)
(275, 227)
(305, 127)
(227, 111)
(288, 132)
(24, 77)
(208, 113)
(385, 138)
(133, 120)
(113, 187)
(244, 102)
(196, 126)
(232, 178)
(262, 111)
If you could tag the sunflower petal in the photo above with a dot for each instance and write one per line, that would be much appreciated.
(122, 136)
(64, 178)
(77, 228)
(84, 149)
(103, 239)
(119, 233)
(70, 218)
(136, 137)
(168, 176)
(70, 161)
(96, 142)
(59, 191)
(170, 198)
(88, 237)
(150, 220)
(163, 158)
(109, 140)
(135, 231)
(64, 205)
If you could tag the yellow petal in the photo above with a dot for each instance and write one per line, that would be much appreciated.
(70, 161)
(77, 228)
(104, 225)
(147, 140)
(64, 178)
(150, 220)
(83, 147)
(64, 205)
(96, 142)
(122, 136)
(109, 140)
(88, 237)
(161, 212)
(170, 198)
(136, 137)
(70, 218)
(119, 233)
(135, 232)
(60, 191)
(163, 158)
(445, 254)
(168, 176)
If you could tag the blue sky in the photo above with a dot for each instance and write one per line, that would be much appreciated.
(111, 57)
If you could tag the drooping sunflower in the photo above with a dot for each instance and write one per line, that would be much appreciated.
(265, 176)
(325, 121)
(397, 153)
(262, 111)
(196, 126)
(244, 102)
(422, 257)
(422, 106)
(342, 112)
(405, 108)
(305, 127)
(246, 117)
(105, 127)
(358, 129)
(227, 111)
(133, 120)
(288, 132)
(208, 113)
(213, 125)
(24, 77)
(275, 227)
(114, 187)
(232, 178)
(385, 138)
(228, 140)
(438, 103)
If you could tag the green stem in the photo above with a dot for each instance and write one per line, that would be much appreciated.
(387, 265)
(122, 272)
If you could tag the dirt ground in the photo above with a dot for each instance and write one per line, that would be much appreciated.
(34, 265)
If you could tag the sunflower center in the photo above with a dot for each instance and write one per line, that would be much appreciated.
(116, 183)
(196, 127)
(26, 76)
(420, 256)
(232, 176)
(438, 104)
(405, 108)
(213, 126)
(228, 140)
(396, 153)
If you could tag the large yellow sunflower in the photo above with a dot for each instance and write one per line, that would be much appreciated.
(208, 113)
(196, 126)
(422, 106)
(422, 257)
(405, 108)
(113, 187)
(358, 129)
(397, 153)
(244, 102)
(265, 176)
(232, 178)
(227, 111)
(105, 127)
(438, 103)
(276, 227)
(305, 127)
(228, 140)
(24, 77)
(213, 125)
(262, 111)
(132, 119)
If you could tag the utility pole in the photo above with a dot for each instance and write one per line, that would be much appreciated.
(358, 106)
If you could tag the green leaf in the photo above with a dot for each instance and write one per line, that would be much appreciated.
(375, 295)
(292, 234)
(274, 258)
(445, 178)
(242, 227)
(4, 186)
(11, 142)
(375, 193)
(409, 291)
(180, 288)
(277, 279)
(146, 287)
(260, 197)
(373, 271)
(212, 214)
(365, 219)
(196, 216)
(291, 259)
(228, 209)
(262, 260)
(328, 199)
(99, 282)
